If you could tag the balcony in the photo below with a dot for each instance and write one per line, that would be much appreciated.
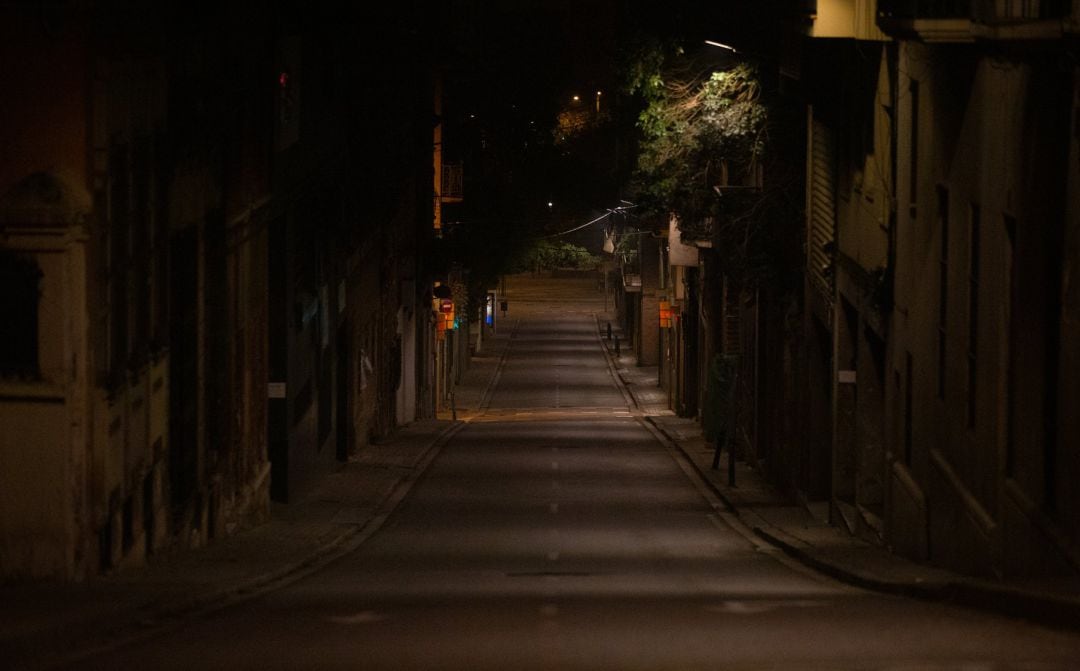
(927, 20)
(1022, 19)
(452, 183)
(968, 20)
(924, 10)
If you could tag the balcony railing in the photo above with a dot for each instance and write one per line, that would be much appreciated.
(988, 12)
(923, 9)
(452, 183)
(1013, 11)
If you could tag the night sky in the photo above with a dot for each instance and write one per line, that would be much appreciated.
(512, 67)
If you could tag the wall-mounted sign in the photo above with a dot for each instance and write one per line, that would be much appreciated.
(667, 314)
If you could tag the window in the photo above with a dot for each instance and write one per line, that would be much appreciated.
(159, 229)
(943, 286)
(21, 279)
(118, 261)
(973, 314)
(908, 403)
(139, 249)
(1010, 371)
(913, 139)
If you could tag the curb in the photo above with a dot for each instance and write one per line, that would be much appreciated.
(155, 618)
(1059, 612)
(334, 548)
(1051, 610)
(704, 475)
(489, 389)
(620, 383)
(933, 592)
(803, 557)
(330, 550)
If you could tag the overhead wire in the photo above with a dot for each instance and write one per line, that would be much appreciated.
(616, 210)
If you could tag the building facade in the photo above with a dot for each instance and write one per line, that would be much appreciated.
(917, 390)
(214, 267)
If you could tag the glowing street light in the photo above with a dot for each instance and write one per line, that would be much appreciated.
(722, 46)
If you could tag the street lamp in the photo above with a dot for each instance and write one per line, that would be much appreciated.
(722, 46)
(598, 102)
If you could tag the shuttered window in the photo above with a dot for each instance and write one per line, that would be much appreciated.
(822, 208)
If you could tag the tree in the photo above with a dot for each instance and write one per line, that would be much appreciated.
(548, 255)
(716, 152)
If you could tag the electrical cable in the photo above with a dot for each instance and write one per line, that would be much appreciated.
(578, 228)
(617, 210)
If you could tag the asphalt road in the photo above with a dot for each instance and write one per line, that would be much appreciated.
(555, 532)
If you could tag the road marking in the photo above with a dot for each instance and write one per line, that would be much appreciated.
(553, 556)
(363, 617)
(763, 606)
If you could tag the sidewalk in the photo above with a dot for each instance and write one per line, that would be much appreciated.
(47, 624)
(473, 393)
(799, 533)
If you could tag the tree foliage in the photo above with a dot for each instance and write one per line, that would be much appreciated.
(708, 152)
(548, 255)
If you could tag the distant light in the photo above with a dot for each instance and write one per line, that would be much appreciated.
(577, 98)
(597, 93)
(283, 79)
(550, 203)
(722, 46)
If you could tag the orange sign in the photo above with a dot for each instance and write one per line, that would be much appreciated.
(666, 314)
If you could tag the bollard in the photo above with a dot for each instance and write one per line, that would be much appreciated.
(618, 352)
(453, 406)
(609, 330)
